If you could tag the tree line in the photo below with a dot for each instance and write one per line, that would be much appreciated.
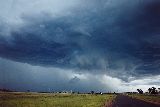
(151, 90)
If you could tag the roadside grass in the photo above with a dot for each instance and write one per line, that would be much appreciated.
(53, 100)
(148, 98)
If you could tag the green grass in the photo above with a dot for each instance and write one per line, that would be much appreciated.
(149, 98)
(53, 100)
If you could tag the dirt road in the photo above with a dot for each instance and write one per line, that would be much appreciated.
(125, 101)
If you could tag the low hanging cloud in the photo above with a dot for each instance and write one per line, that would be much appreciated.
(22, 77)
(106, 37)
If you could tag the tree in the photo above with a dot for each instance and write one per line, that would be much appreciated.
(153, 90)
(140, 91)
(92, 92)
(159, 90)
(150, 90)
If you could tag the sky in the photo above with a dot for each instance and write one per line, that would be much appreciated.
(79, 45)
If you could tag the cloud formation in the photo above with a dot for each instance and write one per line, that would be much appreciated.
(106, 37)
(22, 77)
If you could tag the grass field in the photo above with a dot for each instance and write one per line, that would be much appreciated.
(149, 98)
(53, 100)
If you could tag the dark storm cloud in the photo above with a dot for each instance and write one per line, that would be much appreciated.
(110, 36)
(22, 77)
